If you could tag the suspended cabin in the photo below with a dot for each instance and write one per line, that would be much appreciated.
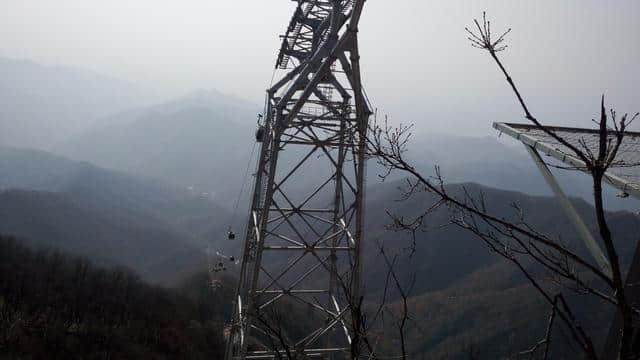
(260, 134)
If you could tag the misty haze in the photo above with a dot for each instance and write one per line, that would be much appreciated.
(340, 179)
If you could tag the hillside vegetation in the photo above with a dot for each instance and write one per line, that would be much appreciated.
(57, 306)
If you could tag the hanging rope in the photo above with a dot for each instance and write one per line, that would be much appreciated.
(244, 182)
(273, 76)
(217, 261)
(234, 214)
(253, 150)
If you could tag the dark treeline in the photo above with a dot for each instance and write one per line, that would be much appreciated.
(54, 305)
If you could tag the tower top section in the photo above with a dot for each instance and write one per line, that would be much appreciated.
(310, 27)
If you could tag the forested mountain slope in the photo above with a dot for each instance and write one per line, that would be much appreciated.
(467, 301)
(111, 217)
(57, 306)
(56, 221)
(446, 254)
(466, 297)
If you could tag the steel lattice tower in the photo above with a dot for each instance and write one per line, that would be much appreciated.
(304, 233)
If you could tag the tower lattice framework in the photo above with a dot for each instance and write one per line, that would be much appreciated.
(299, 282)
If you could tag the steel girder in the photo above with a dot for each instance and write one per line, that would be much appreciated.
(300, 274)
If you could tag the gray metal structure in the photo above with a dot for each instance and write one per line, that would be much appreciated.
(626, 178)
(303, 242)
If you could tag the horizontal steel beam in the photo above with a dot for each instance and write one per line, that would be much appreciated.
(310, 248)
(292, 292)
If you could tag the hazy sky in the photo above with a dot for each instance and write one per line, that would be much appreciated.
(417, 64)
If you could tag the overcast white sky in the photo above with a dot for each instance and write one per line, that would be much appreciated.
(417, 64)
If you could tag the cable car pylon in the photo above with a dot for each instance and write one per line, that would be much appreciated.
(300, 277)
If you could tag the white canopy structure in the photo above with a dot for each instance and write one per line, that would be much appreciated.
(624, 175)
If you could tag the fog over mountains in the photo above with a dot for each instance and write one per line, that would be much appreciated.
(202, 141)
(88, 167)
(41, 105)
(91, 117)
(110, 217)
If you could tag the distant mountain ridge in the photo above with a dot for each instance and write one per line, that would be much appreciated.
(94, 186)
(58, 222)
(443, 246)
(500, 164)
(41, 105)
(196, 141)
(115, 218)
(205, 139)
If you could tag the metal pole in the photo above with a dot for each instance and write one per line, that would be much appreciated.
(578, 223)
